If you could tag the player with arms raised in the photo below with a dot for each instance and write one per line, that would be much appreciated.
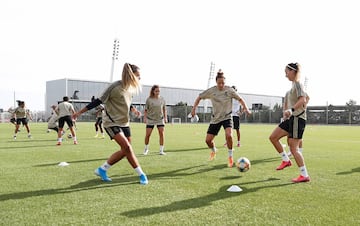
(221, 97)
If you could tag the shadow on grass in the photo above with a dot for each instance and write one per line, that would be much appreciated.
(70, 162)
(30, 143)
(186, 149)
(82, 186)
(257, 161)
(202, 201)
(27, 146)
(96, 184)
(355, 170)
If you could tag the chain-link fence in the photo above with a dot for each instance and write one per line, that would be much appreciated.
(315, 115)
(179, 114)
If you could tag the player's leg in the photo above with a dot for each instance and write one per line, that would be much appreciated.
(25, 123)
(161, 130)
(96, 127)
(148, 131)
(236, 121)
(101, 127)
(212, 131)
(278, 133)
(70, 124)
(126, 150)
(297, 130)
(229, 142)
(61, 127)
(18, 122)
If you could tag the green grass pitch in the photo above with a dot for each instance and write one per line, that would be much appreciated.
(184, 187)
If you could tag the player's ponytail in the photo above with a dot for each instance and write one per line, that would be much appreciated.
(129, 80)
(220, 74)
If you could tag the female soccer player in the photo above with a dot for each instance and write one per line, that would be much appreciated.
(236, 113)
(64, 110)
(52, 123)
(22, 115)
(98, 124)
(293, 125)
(155, 114)
(117, 99)
(221, 98)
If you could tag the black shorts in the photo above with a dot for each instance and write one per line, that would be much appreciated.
(215, 128)
(113, 130)
(98, 121)
(66, 119)
(13, 120)
(152, 126)
(236, 120)
(24, 121)
(295, 126)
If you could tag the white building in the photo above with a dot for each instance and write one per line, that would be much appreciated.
(81, 92)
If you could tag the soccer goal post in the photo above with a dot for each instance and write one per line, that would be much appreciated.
(176, 120)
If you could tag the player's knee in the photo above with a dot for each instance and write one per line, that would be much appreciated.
(228, 137)
(126, 147)
(272, 138)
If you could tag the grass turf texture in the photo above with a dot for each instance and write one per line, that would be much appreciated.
(184, 188)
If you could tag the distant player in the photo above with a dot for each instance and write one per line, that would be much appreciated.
(236, 113)
(155, 115)
(13, 117)
(65, 110)
(52, 123)
(221, 97)
(22, 117)
(98, 124)
(293, 125)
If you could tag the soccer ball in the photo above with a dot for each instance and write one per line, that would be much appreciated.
(243, 164)
(69, 136)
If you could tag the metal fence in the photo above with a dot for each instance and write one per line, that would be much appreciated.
(315, 115)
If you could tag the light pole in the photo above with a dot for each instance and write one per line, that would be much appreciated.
(115, 56)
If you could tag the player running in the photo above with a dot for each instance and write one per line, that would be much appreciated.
(221, 97)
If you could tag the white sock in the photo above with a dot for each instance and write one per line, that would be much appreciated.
(60, 139)
(230, 152)
(146, 146)
(284, 156)
(105, 166)
(139, 171)
(161, 148)
(213, 149)
(74, 138)
(303, 171)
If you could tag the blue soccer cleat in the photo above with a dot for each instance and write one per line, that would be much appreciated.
(102, 173)
(143, 179)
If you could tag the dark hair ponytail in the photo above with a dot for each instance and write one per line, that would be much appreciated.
(220, 74)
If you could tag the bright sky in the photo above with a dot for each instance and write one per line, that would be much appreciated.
(174, 42)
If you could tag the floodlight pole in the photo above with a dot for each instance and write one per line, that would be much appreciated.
(211, 77)
(115, 57)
